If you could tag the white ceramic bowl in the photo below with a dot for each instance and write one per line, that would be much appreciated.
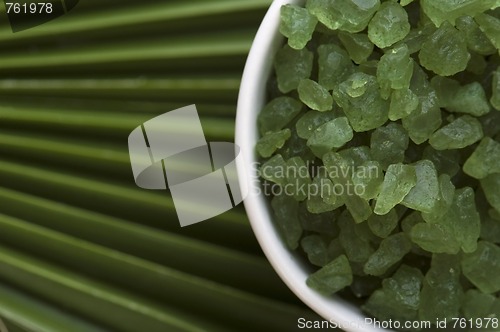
(287, 264)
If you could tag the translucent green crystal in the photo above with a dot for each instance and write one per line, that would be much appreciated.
(382, 226)
(315, 96)
(445, 51)
(460, 133)
(477, 305)
(286, 215)
(446, 161)
(368, 179)
(477, 64)
(292, 66)
(385, 308)
(296, 146)
(346, 15)
(316, 248)
(334, 65)
(272, 141)
(388, 144)
(423, 197)
(333, 277)
(318, 193)
(398, 181)
(444, 200)
(357, 45)
(490, 186)
(358, 207)
(403, 103)
(485, 160)
(495, 98)
(278, 113)
(476, 39)
(297, 24)
(389, 25)
(410, 221)
(444, 10)
(482, 267)
(426, 119)
(360, 99)
(442, 292)
(490, 25)
(399, 298)
(298, 179)
(330, 135)
(390, 252)
(490, 228)
(395, 70)
(404, 287)
(459, 228)
(274, 170)
(469, 99)
(356, 248)
(406, 2)
(310, 121)
(358, 154)
(319, 223)
(416, 38)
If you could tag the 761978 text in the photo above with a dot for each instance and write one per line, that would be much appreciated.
(29, 8)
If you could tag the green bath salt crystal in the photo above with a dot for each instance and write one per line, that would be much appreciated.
(278, 113)
(297, 177)
(315, 96)
(395, 70)
(490, 185)
(331, 135)
(273, 170)
(427, 118)
(495, 98)
(358, 45)
(390, 252)
(334, 66)
(477, 41)
(490, 25)
(403, 103)
(368, 179)
(423, 197)
(360, 99)
(298, 25)
(292, 66)
(398, 182)
(482, 267)
(316, 248)
(286, 215)
(388, 144)
(485, 160)
(445, 10)
(382, 226)
(469, 99)
(333, 277)
(347, 15)
(458, 134)
(272, 141)
(389, 25)
(312, 120)
(477, 305)
(442, 293)
(445, 52)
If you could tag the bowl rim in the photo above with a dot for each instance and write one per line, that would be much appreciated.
(251, 98)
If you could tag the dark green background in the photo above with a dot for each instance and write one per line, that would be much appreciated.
(81, 247)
